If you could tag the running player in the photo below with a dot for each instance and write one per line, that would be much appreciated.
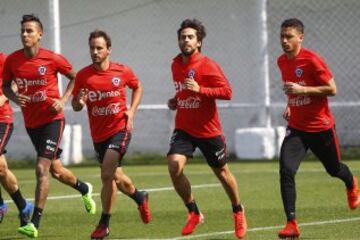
(199, 81)
(34, 70)
(101, 86)
(7, 178)
(307, 82)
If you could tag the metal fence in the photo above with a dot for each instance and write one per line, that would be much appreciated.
(243, 37)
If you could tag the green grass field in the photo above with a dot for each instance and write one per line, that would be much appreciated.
(321, 204)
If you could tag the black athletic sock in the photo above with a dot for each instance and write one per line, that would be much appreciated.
(192, 207)
(237, 208)
(36, 217)
(81, 187)
(18, 199)
(105, 219)
(1, 199)
(138, 197)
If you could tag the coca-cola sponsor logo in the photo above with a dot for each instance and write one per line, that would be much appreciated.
(299, 101)
(112, 108)
(94, 96)
(38, 96)
(189, 103)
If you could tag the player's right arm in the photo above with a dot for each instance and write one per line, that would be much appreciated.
(79, 101)
(11, 94)
(286, 113)
(172, 103)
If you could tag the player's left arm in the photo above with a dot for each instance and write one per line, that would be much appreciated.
(59, 104)
(327, 89)
(217, 86)
(135, 101)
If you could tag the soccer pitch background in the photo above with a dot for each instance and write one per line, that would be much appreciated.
(242, 36)
(321, 204)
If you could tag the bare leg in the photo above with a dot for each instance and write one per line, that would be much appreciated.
(229, 183)
(108, 169)
(176, 164)
(62, 174)
(43, 184)
(7, 178)
(123, 182)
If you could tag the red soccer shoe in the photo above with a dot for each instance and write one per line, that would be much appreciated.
(193, 220)
(291, 230)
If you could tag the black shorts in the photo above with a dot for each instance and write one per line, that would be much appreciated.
(324, 145)
(6, 130)
(46, 139)
(213, 149)
(118, 142)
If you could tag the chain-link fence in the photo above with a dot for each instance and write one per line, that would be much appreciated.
(144, 37)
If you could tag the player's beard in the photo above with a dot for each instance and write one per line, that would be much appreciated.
(186, 52)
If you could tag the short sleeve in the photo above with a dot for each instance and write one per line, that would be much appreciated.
(62, 64)
(321, 70)
(77, 85)
(7, 74)
(131, 79)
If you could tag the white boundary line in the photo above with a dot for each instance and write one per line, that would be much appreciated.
(320, 170)
(207, 234)
(257, 229)
(149, 190)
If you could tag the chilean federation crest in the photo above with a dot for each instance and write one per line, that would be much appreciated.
(42, 70)
(191, 74)
(298, 72)
(116, 81)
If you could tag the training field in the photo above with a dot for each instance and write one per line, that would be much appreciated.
(321, 205)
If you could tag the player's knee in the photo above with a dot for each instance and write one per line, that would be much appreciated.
(3, 170)
(287, 172)
(175, 168)
(107, 176)
(55, 173)
(41, 171)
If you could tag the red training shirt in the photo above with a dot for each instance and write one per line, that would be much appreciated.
(197, 112)
(106, 103)
(6, 113)
(307, 113)
(36, 77)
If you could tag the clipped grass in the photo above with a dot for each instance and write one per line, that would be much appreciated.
(320, 199)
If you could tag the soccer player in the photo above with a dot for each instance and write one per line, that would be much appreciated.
(7, 178)
(307, 82)
(101, 86)
(34, 70)
(199, 81)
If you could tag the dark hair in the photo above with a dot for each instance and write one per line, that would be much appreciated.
(294, 23)
(99, 33)
(32, 18)
(194, 24)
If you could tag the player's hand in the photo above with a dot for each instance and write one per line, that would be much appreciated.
(22, 99)
(192, 85)
(83, 96)
(172, 103)
(57, 106)
(294, 89)
(130, 120)
(2, 100)
(286, 114)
